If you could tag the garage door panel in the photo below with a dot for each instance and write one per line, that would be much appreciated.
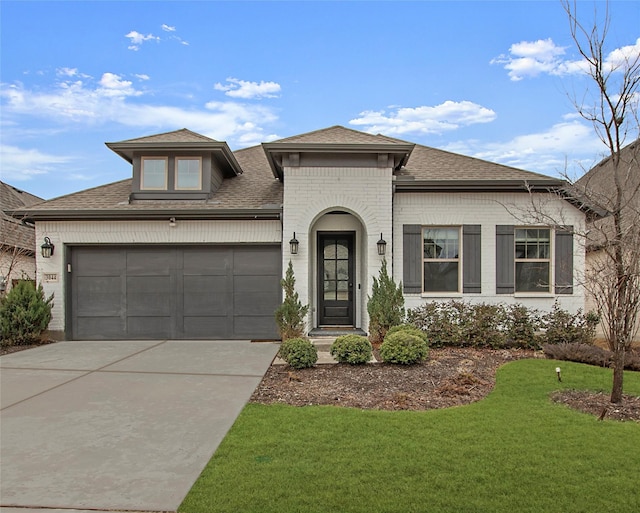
(99, 296)
(99, 262)
(158, 262)
(254, 326)
(205, 295)
(206, 327)
(150, 295)
(208, 261)
(256, 261)
(150, 327)
(99, 328)
(255, 295)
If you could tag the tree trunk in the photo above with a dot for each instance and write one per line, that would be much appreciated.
(618, 374)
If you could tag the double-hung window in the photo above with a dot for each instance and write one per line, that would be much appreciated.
(188, 173)
(441, 259)
(154, 173)
(533, 260)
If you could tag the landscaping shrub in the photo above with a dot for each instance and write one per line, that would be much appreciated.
(561, 326)
(24, 314)
(588, 353)
(290, 315)
(522, 325)
(439, 321)
(404, 348)
(385, 305)
(409, 328)
(482, 325)
(352, 349)
(299, 353)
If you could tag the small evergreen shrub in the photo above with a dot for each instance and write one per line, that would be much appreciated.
(409, 328)
(440, 321)
(404, 348)
(385, 305)
(24, 314)
(562, 326)
(290, 315)
(352, 349)
(299, 353)
(589, 354)
(522, 326)
(482, 325)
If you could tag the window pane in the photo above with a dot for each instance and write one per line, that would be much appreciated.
(329, 250)
(532, 277)
(441, 243)
(343, 269)
(441, 276)
(343, 291)
(329, 269)
(329, 290)
(188, 174)
(154, 172)
(342, 249)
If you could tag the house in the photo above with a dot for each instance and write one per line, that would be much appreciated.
(195, 243)
(17, 239)
(598, 186)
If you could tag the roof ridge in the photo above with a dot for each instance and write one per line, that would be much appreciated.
(170, 132)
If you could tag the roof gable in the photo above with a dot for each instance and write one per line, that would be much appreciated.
(176, 136)
(12, 232)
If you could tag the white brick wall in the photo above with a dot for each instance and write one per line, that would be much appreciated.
(137, 232)
(488, 210)
(312, 192)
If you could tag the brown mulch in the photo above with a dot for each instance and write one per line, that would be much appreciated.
(450, 377)
(6, 349)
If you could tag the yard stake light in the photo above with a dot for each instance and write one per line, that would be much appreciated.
(558, 373)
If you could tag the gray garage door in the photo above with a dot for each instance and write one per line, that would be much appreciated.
(186, 292)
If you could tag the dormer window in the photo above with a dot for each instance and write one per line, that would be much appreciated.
(154, 173)
(188, 173)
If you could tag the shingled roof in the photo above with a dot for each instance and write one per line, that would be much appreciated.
(12, 232)
(256, 191)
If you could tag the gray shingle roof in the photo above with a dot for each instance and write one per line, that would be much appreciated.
(12, 232)
(256, 188)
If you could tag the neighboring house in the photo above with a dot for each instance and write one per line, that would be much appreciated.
(598, 187)
(195, 243)
(17, 239)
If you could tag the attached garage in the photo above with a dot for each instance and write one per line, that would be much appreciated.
(173, 292)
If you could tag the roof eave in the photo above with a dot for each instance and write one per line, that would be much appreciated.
(536, 185)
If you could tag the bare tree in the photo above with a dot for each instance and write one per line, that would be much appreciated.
(17, 250)
(610, 103)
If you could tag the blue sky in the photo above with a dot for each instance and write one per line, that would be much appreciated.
(487, 79)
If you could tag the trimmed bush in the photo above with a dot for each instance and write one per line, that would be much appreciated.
(589, 354)
(299, 353)
(24, 314)
(409, 328)
(562, 327)
(522, 325)
(352, 349)
(404, 348)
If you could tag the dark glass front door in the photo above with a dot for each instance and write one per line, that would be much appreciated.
(335, 278)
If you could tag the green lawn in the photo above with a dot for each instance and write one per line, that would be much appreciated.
(515, 451)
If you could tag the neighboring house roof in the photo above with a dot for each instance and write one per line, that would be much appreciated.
(12, 232)
(256, 192)
(598, 187)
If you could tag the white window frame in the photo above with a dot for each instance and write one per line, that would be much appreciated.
(166, 173)
(442, 260)
(549, 261)
(199, 187)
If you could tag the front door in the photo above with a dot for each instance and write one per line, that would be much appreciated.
(335, 278)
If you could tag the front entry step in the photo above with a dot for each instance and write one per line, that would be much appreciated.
(335, 332)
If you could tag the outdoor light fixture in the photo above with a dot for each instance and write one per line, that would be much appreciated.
(293, 244)
(47, 248)
(382, 246)
(172, 222)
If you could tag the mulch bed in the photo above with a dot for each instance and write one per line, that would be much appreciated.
(14, 349)
(450, 377)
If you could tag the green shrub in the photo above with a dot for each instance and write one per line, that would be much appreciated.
(290, 315)
(561, 326)
(24, 314)
(439, 321)
(522, 325)
(385, 305)
(299, 353)
(352, 349)
(404, 348)
(589, 354)
(409, 328)
(482, 325)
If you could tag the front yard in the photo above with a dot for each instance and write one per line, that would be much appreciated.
(513, 451)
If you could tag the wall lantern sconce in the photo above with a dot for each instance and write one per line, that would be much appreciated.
(293, 244)
(382, 246)
(47, 248)
(172, 222)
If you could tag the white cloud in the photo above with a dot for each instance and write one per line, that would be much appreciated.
(22, 164)
(570, 147)
(136, 39)
(168, 28)
(115, 100)
(237, 88)
(445, 117)
(142, 76)
(532, 58)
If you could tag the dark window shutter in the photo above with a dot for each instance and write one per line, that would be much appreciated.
(505, 259)
(412, 258)
(471, 258)
(564, 260)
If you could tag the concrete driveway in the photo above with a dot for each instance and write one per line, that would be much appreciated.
(125, 425)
